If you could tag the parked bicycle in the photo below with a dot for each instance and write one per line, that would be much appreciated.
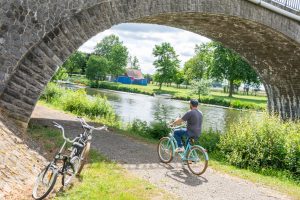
(66, 165)
(195, 156)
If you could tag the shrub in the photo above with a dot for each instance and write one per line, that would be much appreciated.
(262, 144)
(209, 140)
(139, 127)
(154, 130)
(292, 159)
(79, 103)
(52, 92)
(158, 130)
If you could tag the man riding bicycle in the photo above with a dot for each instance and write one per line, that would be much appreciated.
(194, 120)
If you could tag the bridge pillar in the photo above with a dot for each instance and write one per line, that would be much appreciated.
(284, 100)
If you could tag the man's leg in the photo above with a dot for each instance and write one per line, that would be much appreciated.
(178, 136)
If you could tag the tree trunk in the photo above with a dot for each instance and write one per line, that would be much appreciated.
(160, 84)
(231, 88)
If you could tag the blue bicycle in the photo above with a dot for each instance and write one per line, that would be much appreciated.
(195, 156)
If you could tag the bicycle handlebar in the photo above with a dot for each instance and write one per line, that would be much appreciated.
(85, 125)
(63, 132)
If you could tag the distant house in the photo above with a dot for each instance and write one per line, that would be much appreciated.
(132, 76)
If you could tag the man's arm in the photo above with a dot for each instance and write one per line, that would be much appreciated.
(177, 121)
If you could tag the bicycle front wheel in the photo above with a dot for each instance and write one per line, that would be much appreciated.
(44, 183)
(197, 160)
(165, 150)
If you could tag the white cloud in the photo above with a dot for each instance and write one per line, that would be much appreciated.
(140, 40)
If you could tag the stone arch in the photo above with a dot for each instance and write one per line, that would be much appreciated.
(269, 41)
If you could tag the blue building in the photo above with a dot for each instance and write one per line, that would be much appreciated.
(132, 76)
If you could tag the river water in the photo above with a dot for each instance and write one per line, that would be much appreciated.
(131, 106)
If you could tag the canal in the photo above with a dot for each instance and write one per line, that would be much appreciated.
(130, 106)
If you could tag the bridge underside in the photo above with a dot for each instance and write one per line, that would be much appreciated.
(270, 42)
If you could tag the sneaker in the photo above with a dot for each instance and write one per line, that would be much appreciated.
(179, 150)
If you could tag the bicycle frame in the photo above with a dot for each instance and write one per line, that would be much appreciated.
(188, 146)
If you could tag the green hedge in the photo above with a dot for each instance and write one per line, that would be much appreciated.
(224, 102)
(118, 87)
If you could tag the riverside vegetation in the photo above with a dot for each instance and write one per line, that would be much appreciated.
(269, 147)
(215, 98)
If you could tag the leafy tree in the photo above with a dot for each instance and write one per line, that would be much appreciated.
(201, 87)
(179, 78)
(76, 63)
(61, 74)
(115, 52)
(166, 63)
(97, 68)
(135, 63)
(226, 64)
(194, 69)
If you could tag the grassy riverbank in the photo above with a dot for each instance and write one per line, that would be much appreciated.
(215, 97)
(101, 178)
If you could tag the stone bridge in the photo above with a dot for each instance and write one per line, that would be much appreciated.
(38, 36)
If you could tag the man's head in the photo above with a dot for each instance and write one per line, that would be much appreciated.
(194, 103)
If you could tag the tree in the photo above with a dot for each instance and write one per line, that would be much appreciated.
(76, 63)
(194, 68)
(97, 68)
(179, 78)
(61, 74)
(226, 64)
(201, 87)
(135, 63)
(166, 63)
(115, 52)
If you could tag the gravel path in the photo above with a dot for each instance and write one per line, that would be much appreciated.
(141, 159)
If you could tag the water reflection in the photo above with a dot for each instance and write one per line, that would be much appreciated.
(136, 106)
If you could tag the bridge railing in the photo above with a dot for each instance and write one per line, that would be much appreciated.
(288, 4)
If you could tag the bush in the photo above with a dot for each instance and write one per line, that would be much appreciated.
(158, 130)
(139, 127)
(262, 144)
(154, 130)
(209, 140)
(79, 103)
(292, 158)
(52, 92)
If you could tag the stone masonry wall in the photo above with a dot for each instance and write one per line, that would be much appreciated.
(19, 164)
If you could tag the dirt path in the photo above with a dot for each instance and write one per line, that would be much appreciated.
(141, 159)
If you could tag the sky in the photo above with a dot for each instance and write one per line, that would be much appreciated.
(140, 40)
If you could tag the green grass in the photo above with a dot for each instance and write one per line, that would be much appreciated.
(101, 179)
(216, 97)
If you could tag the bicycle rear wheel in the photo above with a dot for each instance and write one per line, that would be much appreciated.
(197, 160)
(84, 156)
(70, 170)
(165, 150)
(44, 183)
